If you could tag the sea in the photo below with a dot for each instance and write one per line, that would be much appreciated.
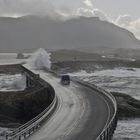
(120, 79)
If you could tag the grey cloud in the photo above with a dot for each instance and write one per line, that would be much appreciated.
(66, 9)
(23, 7)
(123, 20)
(93, 13)
(40, 7)
(89, 3)
(101, 15)
(85, 12)
(126, 21)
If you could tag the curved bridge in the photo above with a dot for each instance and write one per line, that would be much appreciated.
(80, 111)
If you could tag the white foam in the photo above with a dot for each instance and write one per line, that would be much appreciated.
(128, 129)
(15, 82)
(125, 80)
(82, 73)
(39, 60)
(117, 72)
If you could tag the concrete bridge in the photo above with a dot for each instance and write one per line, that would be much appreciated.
(80, 111)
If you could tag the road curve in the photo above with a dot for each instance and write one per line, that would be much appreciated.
(82, 113)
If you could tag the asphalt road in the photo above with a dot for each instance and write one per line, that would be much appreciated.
(82, 113)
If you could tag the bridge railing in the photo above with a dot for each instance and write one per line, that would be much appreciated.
(108, 131)
(31, 126)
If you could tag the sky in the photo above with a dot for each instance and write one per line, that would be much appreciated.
(114, 8)
(123, 13)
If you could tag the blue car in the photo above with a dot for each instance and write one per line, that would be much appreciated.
(65, 79)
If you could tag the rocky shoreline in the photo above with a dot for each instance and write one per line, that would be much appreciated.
(128, 107)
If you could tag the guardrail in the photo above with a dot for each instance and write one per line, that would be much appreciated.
(108, 131)
(30, 127)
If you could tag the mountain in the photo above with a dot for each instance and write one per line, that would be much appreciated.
(30, 32)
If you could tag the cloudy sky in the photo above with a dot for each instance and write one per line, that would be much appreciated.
(124, 13)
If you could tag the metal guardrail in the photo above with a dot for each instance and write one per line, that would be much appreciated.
(31, 126)
(108, 131)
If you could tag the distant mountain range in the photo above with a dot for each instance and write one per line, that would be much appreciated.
(29, 33)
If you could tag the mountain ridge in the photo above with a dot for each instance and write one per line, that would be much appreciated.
(31, 32)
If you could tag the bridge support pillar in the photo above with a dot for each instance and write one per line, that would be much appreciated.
(24, 135)
(27, 81)
(19, 138)
(29, 131)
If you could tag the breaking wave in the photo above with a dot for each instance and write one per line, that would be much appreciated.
(15, 82)
(39, 60)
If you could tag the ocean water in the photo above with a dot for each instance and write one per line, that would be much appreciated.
(38, 60)
(10, 58)
(123, 80)
(128, 130)
(15, 82)
(11, 82)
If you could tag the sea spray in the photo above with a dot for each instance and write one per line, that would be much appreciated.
(15, 82)
(39, 60)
